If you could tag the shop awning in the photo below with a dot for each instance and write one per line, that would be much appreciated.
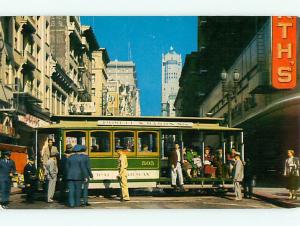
(13, 148)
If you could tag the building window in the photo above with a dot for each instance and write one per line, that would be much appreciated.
(6, 78)
(16, 44)
(47, 33)
(93, 78)
(38, 58)
(93, 92)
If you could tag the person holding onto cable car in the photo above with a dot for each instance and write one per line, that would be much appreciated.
(49, 150)
(218, 163)
(231, 161)
(176, 167)
(7, 170)
(123, 164)
(208, 169)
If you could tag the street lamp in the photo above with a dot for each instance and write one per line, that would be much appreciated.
(229, 86)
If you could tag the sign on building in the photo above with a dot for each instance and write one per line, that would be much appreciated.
(32, 121)
(284, 38)
(83, 107)
(112, 98)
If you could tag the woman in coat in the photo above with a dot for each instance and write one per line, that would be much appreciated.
(291, 171)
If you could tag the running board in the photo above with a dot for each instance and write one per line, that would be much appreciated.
(195, 186)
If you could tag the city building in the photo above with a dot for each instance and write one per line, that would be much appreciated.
(171, 70)
(72, 45)
(269, 116)
(99, 80)
(122, 82)
(45, 70)
(25, 77)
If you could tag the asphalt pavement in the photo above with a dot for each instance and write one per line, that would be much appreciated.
(151, 200)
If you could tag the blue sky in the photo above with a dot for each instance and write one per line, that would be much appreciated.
(149, 37)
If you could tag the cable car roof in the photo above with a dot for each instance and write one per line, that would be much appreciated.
(144, 122)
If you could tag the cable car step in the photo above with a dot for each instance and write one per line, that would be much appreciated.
(195, 186)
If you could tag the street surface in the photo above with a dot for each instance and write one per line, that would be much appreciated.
(147, 200)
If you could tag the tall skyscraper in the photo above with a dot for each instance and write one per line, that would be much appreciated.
(171, 70)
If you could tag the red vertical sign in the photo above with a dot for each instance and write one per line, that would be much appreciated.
(284, 52)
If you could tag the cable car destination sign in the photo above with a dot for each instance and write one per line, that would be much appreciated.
(284, 52)
(143, 123)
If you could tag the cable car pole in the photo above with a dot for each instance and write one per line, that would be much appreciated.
(36, 148)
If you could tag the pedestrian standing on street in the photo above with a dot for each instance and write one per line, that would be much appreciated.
(7, 170)
(238, 176)
(30, 180)
(291, 171)
(63, 173)
(248, 179)
(75, 176)
(123, 164)
(176, 169)
(87, 175)
(51, 174)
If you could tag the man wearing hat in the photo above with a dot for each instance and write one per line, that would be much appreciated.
(30, 179)
(87, 174)
(51, 171)
(123, 164)
(62, 173)
(7, 170)
(75, 176)
(238, 175)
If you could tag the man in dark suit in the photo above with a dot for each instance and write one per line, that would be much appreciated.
(248, 179)
(176, 160)
(30, 179)
(62, 173)
(75, 176)
(87, 174)
(7, 170)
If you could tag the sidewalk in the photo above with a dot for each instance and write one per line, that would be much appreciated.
(276, 196)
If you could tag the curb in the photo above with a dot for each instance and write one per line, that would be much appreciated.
(276, 201)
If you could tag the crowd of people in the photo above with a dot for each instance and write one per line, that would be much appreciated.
(74, 172)
(213, 165)
(189, 163)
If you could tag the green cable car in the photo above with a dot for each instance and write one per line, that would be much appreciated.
(148, 142)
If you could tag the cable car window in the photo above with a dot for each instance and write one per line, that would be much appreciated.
(125, 139)
(76, 137)
(100, 141)
(147, 142)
